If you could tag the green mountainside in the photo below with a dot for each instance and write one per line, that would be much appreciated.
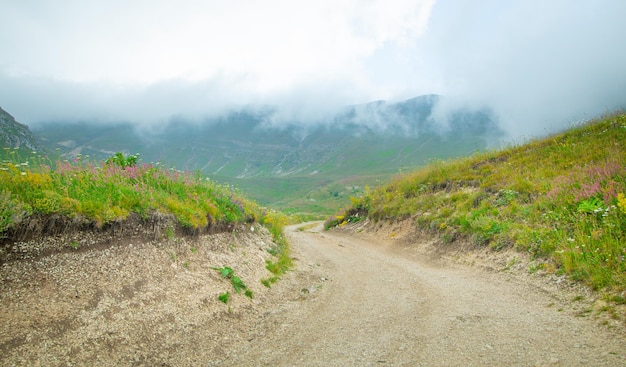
(16, 136)
(561, 199)
(292, 166)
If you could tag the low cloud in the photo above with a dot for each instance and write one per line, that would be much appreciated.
(41, 100)
(538, 65)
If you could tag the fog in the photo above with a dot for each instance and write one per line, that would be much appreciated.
(539, 65)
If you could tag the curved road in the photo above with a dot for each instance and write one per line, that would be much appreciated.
(357, 302)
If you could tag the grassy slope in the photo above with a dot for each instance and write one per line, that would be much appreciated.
(108, 192)
(560, 198)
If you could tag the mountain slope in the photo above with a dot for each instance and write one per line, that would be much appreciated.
(561, 199)
(293, 165)
(14, 135)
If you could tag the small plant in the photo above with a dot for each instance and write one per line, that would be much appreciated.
(123, 161)
(511, 262)
(592, 205)
(533, 268)
(169, 233)
(224, 297)
(238, 284)
(225, 272)
(75, 245)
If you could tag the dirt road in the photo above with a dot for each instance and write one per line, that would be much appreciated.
(366, 303)
(351, 300)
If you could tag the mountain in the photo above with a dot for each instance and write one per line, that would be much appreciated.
(293, 165)
(14, 135)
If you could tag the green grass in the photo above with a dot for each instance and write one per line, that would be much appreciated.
(560, 198)
(109, 192)
(283, 260)
(31, 186)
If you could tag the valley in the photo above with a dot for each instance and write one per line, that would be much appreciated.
(307, 168)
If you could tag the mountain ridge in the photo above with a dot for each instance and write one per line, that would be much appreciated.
(251, 147)
(15, 135)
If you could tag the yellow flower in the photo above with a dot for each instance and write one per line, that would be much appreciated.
(621, 202)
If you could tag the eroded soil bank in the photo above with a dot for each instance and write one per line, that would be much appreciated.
(95, 301)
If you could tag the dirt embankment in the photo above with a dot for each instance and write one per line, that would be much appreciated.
(128, 297)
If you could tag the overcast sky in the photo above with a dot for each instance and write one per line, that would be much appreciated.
(541, 64)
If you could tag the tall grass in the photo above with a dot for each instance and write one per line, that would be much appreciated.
(562, 198)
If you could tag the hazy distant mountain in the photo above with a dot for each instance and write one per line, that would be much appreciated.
(16, 135)
(293, 164)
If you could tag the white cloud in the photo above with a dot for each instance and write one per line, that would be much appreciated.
(539, 63)
(107, 53)
(271, 42)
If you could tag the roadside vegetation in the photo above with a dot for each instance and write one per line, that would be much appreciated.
(561, 199)
(101, 193)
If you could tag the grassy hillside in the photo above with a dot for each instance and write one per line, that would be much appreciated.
(562, 199)
(16, 139)
(100, 194)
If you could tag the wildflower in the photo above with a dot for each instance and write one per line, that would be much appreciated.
(621, 202)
